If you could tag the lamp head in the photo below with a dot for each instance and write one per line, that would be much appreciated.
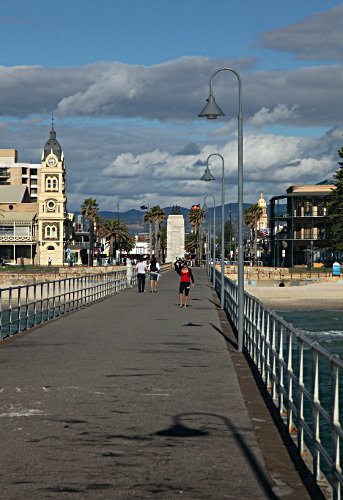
(205, 207)
(207, 175)
(211, 110)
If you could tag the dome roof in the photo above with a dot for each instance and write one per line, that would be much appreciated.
(52, 145)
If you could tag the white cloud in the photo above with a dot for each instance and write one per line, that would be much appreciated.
(269, 161)
(225, 130)
(280, 114)
(174, 92)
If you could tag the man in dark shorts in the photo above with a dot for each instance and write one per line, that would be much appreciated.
(185, 283)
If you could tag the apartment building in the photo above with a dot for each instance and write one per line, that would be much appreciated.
(300, 228)
(19, 174)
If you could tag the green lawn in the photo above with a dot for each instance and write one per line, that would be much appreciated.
(16, 269)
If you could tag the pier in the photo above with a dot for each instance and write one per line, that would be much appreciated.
(133, 397)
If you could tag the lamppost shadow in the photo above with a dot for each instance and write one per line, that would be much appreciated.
(179, 430)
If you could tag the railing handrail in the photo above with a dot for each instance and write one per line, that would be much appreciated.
(313, 344)
(33, 303)
(278, 351)
(24, 306)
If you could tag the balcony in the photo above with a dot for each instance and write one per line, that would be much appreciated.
(16, 239)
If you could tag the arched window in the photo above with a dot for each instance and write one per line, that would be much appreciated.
(51, 183)
(50, 232)
(50, 248)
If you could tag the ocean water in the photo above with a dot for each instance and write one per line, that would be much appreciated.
(325, 327)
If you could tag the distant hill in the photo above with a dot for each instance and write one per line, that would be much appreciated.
(134, 218)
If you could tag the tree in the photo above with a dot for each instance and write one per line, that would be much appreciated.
(335, 207)
(163, 241)
(117, 233)
(251, 217)
(128, 244)
(90, 209)
(148, 218)
(229, 236)
(195, 217)
(191, 242)
(157, 215)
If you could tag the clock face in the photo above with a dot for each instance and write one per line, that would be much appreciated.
(52, 162)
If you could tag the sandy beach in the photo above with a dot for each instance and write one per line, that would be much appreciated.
(313, 296)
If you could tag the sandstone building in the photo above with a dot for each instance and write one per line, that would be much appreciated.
(34, 223)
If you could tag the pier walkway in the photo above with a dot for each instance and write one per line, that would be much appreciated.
(133, 397)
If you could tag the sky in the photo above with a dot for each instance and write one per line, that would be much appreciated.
(126, 80)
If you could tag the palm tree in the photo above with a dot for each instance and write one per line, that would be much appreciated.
(90, 209)
(157, 215)
(195, 217)
(190, 243)
(118, 234)
(251, 217)
(163, 240)
(149, 220)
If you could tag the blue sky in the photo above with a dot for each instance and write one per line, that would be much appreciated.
(127, 79)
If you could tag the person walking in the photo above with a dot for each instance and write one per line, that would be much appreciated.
(185, 283)
(154, 269)
(141, 269)
(177, 264)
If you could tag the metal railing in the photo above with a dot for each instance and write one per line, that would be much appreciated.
(302, 377)
(22, 307)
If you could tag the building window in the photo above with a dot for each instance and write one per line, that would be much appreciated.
(51, 183)
(22, 229)
(50, 248)
(307, 231)
(7, 230)
(50, 232)
(51, 205)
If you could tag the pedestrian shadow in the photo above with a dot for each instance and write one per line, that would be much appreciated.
(179, 430)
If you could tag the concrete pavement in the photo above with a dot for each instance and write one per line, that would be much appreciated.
(133, 397)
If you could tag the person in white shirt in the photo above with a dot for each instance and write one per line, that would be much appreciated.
(141, 269)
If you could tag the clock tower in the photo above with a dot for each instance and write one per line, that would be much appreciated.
(52, 204)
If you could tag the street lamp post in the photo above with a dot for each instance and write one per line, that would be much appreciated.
(208, 241)
(214, 235)
(209, 177)
(212, 111)
(209, 232)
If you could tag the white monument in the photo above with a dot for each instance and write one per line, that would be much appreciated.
(175, 237)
